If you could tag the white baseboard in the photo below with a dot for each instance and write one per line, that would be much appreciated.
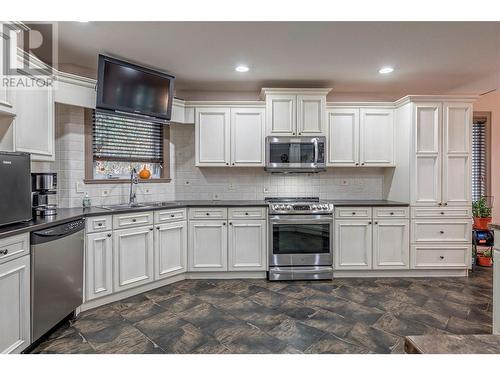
(402, 273)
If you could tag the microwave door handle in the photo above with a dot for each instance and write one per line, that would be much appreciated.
(316, 150)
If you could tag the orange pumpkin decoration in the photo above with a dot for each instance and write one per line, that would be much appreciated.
(145, 173)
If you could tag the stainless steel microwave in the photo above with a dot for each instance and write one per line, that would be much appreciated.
(295, 154)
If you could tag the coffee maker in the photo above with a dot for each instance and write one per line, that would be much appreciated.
(44, 194)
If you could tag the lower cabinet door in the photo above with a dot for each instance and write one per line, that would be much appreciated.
(391, 244)
(207, 249)
(247, 245)
(15, 305)
(132, 257)
(99, 265)
(353, 244)
(170, 249)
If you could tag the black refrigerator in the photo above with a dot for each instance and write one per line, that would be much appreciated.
(15, 187)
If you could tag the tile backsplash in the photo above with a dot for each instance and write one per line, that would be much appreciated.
(190, 182)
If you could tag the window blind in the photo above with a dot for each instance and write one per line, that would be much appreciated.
(479, 158)
(117, 137)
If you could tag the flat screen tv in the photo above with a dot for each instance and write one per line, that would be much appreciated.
(126, 87)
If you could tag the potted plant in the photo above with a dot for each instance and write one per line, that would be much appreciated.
(481, 213)
(485, 259)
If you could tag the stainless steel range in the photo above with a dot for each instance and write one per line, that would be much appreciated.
(300, 239)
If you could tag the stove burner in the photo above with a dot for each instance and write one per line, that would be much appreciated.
(301, 205)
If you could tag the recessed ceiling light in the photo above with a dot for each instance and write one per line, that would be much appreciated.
(242, 68)
(83, 21)
(386, 70)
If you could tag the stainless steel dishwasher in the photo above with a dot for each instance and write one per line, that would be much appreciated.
(56, 275)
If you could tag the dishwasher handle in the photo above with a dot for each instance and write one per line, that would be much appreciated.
(56, 232)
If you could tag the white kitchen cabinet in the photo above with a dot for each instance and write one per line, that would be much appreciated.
(212, 138)
(170, 247)
(99, 265)
(247, 137)
(132, 257)
(311, 114)
(207, 245)
(7, 40)
(281, 112)
(442, 140)
(456, 155)
(353, 244)
(391, 244)
(343, 137)
(15, 305)
(34, 122)
(376, 137)
(361, 137)
(247, 245)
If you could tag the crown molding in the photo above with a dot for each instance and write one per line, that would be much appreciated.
(433, 98)
(307, 91)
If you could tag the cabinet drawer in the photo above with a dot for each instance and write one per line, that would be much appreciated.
(14, 247)
(431, 212)
(132, 220)
(170, 215)
(441, 231)
(438, 256)
(353, 212)
(99, 224)
(208, 213)
(391, 212)
(247, 213)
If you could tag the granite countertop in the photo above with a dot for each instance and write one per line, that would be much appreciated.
(494, 226)
(351, 203)
(453, 344)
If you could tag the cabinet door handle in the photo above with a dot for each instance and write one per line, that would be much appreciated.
(109, 235)
(441, 257)
(369, 222)
(224, 223)
(357, 164)
(233, 163)
(158, 228)
(354, 213)
(208, 213)
(392, 213)
(150, 228)
(230, 223)
(376, 222)
(246, 213)
(4, 252)
(227, 163)
(440, 204)
(293, 133)
(442, 213)
(441, 231)
(134, 220)
(446, 204)
(99, 224)
(172, 215)
(362, 163)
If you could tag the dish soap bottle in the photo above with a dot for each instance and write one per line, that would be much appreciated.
(86, 201)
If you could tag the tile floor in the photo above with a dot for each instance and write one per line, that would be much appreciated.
(256, 316)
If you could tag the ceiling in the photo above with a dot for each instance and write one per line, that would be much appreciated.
(428, 57)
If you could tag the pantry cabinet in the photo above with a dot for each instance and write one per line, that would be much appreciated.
(247, 245)
(442, 142)
(99, 265)
(132, 257)
(170, 249)
(207, 249)
(15, 305)
(229, 137)
(360, 137)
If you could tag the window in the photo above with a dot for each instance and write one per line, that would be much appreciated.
(480, 157)
(116, 143)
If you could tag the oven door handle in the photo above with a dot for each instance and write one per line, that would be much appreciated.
(302, 219)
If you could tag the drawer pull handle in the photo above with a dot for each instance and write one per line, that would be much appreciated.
(172, 215)
(441, 257)
(134, 220)
(208, 213)
(354, 213)
(442, 213)
(109, 235)
(392, 213)
(4, 252)
(246, 213)
(441, 231)
(99, 224)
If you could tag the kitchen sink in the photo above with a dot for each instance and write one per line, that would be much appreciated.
(124, 206)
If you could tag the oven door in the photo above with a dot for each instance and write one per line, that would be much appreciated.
(301, 240)
(295, 154)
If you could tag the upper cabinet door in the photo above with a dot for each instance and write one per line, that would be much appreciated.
(34, 122)
(311, 114)
(212, 136)
(376, 137)
(281, 114)
(427, 138)
(247, 136)
(343, 136)
(457, 137)
(6, 39)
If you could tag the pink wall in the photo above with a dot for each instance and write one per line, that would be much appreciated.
(491, 103)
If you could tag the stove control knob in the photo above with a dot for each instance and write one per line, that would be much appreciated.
(289, 207)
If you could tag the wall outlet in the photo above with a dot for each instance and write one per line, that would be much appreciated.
(215, 196)
(104, 193)
(230, 186)
(344, 182)
(80, 187)
(265, 190)
(147, 191)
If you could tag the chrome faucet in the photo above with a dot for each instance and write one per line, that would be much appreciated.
(133, 181)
